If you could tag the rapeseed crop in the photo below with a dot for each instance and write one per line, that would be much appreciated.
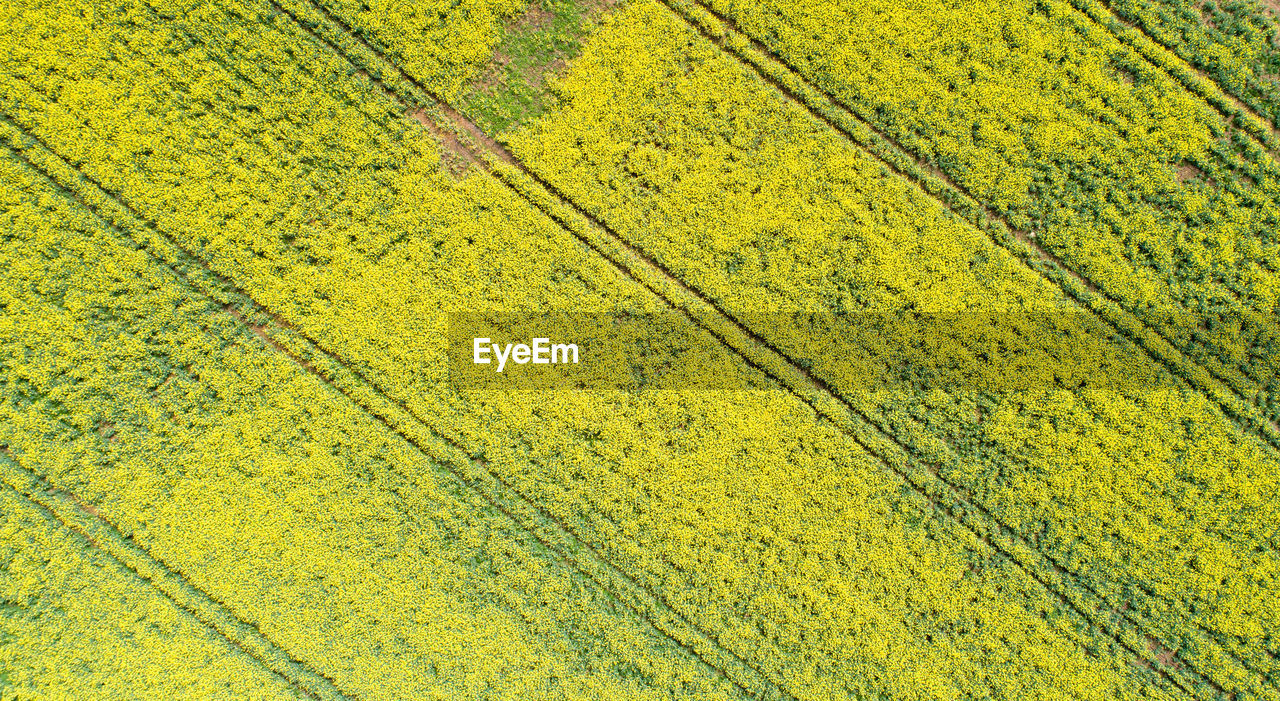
(1077, 139)
(635, 142)
(683, 153)
(231, 250)
(266, 491)
(1237, 44)
(259, 485)
(78, 624)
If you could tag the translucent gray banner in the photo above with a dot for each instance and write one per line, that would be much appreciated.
(969, 351)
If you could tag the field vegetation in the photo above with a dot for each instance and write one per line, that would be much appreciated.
(1236, 43)
(1089, 147)
(234, 233)
(600, 478)
(687, 156)
(76, 621)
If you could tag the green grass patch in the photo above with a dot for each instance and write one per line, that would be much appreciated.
(512, 90)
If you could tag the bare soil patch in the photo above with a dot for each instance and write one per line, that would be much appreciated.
(533, 19)
(517, 66)
(1206, 16)
(84, 506)
(456, 156)
(475, 132)
(1163, 655)
(107, 430)
(1125, 74)
(1186, 172)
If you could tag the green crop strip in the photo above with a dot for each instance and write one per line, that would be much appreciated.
(858, 426)
(970, 175)
(1213, 380)
(248, 128)
(1236, 42)
(498, 498)
(495, 451)
(62, 508)
(513, 89)
(351, 384)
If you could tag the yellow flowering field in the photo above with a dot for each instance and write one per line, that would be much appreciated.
(236, 461)
(1131, 167)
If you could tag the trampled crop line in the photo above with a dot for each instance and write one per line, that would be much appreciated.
(819, 399)
(629, 259)
(392, 414)
(366, 391)
(255, 325)
(1042, 582)
(64, 509)
(637, 265)
(723, 33)
(1195, 81)
(848, 120)
(958, 199)
(455, 118)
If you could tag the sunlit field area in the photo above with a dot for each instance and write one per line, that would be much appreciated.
(961, 378)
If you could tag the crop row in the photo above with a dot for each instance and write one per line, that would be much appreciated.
(917, 550)
(74, 622)
(630, 156)
(259, 485)
(461, 37)
(1054, 123)
(70, 511)
(1152, 341)
(588, 459)
(1235, 43)
(636, 141)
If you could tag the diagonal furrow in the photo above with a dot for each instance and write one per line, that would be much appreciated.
(65, 509)
(825, 107)
(339, 374)
(854, 124)
(572, 217)
(1158, 54)
(841, 118)
(757, 351)
(658, 279)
